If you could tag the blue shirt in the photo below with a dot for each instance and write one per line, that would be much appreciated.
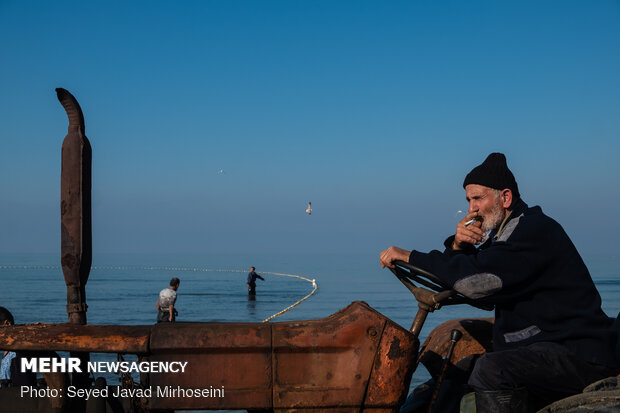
(5, 366)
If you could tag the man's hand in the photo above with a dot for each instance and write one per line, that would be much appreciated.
(470, 234)
(392, 254)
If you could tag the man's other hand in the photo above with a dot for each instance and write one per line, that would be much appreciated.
(392, 254)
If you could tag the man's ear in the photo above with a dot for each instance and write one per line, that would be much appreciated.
(506, 198)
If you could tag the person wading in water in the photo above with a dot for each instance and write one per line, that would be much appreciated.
(165, 303)
(252, 276)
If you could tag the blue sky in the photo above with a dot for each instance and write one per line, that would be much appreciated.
(374, 111)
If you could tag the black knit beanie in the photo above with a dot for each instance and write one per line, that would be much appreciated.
(493, 173)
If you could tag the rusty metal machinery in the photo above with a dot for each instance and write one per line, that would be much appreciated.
(354, 360)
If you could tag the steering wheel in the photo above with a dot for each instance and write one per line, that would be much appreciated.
(444, 294)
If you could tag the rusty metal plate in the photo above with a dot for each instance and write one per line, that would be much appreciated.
(326, 362)
(74, 337)
(332, 363)
(236, 356)
(394, 366)
(355, 360)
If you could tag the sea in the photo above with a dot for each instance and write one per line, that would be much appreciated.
(123, 288)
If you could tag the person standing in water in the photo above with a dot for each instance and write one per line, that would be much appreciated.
(252, 276)
(165, 303)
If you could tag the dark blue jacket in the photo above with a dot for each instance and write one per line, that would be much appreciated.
(540, 286)
(252, 276)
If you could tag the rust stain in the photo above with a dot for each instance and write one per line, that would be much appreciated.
(395, 351)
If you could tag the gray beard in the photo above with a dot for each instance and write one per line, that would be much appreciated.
(494, 219)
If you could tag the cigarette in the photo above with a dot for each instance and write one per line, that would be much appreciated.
(471, 221)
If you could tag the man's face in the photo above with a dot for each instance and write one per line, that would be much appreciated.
(489, 207)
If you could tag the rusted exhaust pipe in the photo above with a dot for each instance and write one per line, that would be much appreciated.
(75, 209)
(76, 227)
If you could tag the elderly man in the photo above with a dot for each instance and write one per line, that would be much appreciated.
(550, 337)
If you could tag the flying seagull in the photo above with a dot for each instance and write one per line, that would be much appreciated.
(309, 209)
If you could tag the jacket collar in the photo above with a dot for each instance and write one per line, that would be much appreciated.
(516, 211)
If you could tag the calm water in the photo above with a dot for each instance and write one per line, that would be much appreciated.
(122, 289)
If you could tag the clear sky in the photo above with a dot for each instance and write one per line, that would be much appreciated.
(374, 111)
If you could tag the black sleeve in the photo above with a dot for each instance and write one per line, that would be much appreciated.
(496, 271)
(469, 248)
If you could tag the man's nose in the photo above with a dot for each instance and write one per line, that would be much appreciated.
(473, 208)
